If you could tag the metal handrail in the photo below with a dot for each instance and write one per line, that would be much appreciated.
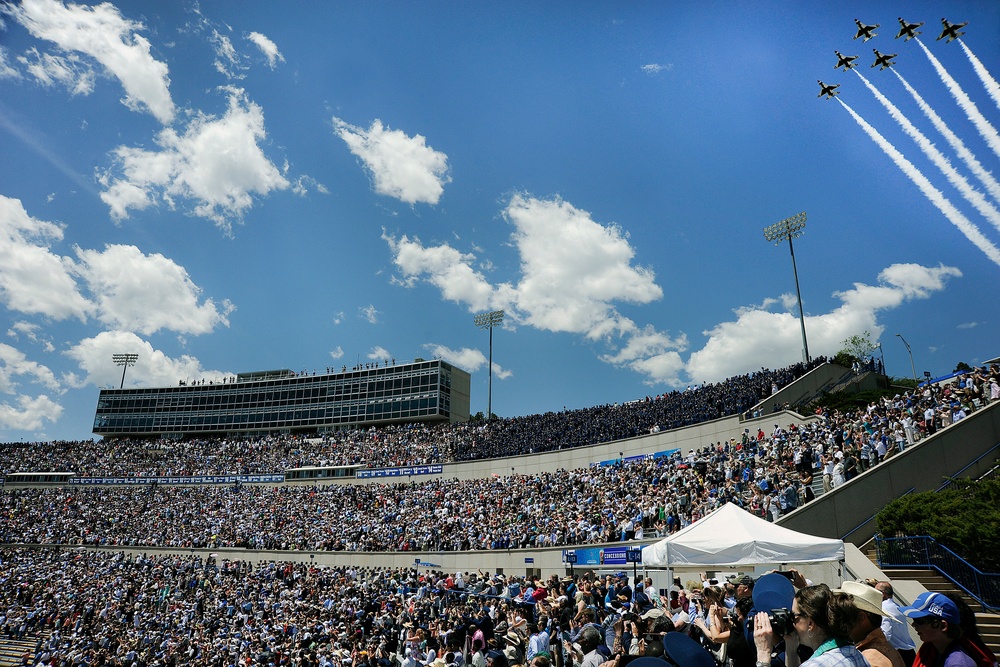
(872, 517)
(987, 475)
(925, 552)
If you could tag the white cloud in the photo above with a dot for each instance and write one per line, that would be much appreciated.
(6, 70)
(338, 318)
(760, 338)
(467, 358)
(20, 410)
(154, 368)
(968, 325)
(573, 269)
(102, 33)
(33, 280)
(337, 353)
(14, 364)
(31, 332)
(217, 163)
(268, 48)
(573, 272)
(146, 293)
(369, 313)
(442, 266)
(69, 71)
(402, 167)
(29, 413)
(127, 289)
(653, 69)
(227, 61)
(652, 353)
(379, 353)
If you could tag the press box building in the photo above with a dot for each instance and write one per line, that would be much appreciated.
(285, 402)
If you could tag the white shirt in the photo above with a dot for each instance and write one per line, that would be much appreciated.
(895, 627)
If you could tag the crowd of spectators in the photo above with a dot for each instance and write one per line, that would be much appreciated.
(79, 608)
(85, 608)
(399, 445)
(768, 474)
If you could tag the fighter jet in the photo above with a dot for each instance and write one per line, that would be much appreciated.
(908, 29)
(847, 62)
(951, 30)
(866, 31)
(829, 91)
(883, 60)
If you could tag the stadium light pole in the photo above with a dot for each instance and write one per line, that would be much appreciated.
(791, 228)
(910, 352)
(125, 360)
(488, 321)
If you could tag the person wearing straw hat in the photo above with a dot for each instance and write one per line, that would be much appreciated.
(867, 633)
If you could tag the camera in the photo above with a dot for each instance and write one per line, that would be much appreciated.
(629, 617)
(781, 621)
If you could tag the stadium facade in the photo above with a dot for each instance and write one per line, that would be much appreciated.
(285, 402)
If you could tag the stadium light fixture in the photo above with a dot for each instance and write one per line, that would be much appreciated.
(488, 321)
(910, 352)
(126, 359)
(791, 228)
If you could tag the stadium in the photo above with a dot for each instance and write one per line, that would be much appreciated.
(193, 511)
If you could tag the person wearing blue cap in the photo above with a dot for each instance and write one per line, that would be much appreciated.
(938, 623)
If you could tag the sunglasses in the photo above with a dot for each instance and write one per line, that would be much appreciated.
(926, 620)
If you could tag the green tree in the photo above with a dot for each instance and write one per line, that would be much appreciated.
(858, 346)
(962, 366)
(962, 517)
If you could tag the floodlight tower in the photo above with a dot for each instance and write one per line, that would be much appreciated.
(791, 228)
(910, 352)
(125, 360)
(488, 321)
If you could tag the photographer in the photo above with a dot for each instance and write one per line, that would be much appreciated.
(820, 620)
(725, 628)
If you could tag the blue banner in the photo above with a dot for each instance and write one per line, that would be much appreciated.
(407, 471)
(199, 479)
(605, 556)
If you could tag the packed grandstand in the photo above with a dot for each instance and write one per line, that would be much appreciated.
(68, 605)
(768, 473)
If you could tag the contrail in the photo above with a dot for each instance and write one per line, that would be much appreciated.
(991, 184)
(987, 131)
(935, 196)
(971, 195)
(991, 85)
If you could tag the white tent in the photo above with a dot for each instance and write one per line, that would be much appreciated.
(732, 537)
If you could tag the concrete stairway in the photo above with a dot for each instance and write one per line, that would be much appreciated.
(11, 650)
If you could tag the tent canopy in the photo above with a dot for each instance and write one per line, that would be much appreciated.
(731, 537)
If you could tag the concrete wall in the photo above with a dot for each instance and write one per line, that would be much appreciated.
(848, 511)
(806, 387)
(684, 439)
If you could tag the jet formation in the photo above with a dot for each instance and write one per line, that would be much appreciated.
(951, 30)
(883, 61)
(908, 29)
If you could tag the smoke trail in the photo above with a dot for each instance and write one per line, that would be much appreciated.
(935, 196)
(991, 85)
(992, 186)
(987, 131)
(971, 195)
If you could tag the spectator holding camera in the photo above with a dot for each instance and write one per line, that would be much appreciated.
(820, 620)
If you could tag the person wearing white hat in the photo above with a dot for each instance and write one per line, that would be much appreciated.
(867, 633)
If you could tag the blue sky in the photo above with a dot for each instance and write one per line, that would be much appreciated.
(228, 187)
